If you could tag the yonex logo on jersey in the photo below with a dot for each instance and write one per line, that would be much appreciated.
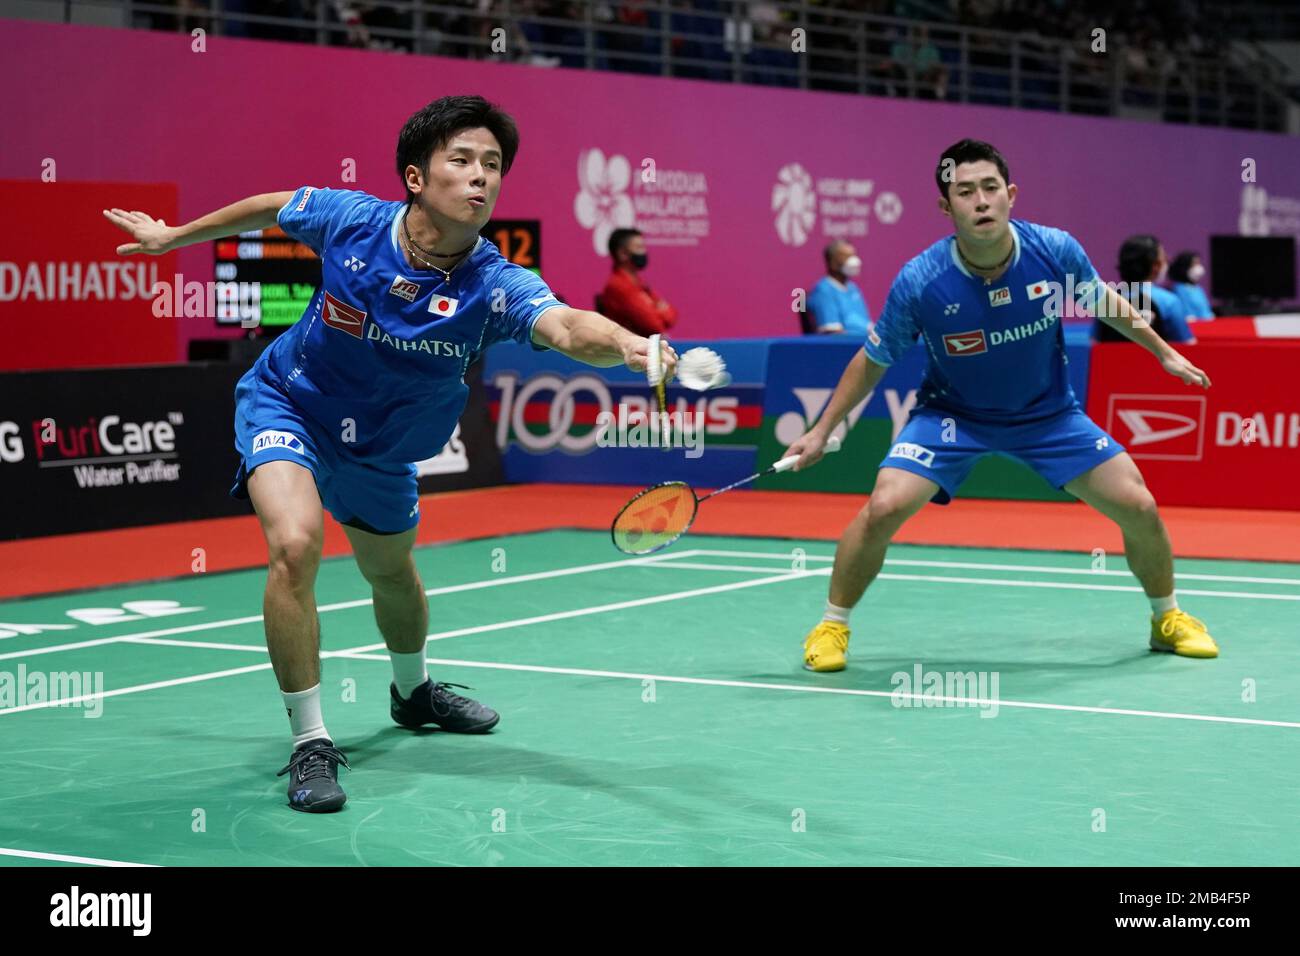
(273, 439)
(302, 203)
(1102, 443)
(917, 453)
(1000, 296)
(441, 305)
(965, 343)
(353, 263)
(951, 309)
(404, 288)
(345, 318)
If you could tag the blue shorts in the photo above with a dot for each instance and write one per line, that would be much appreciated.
(944, 447)
(378, 497)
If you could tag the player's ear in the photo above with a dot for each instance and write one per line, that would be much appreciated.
(945, 207)
(1011, 194)
(414, 178)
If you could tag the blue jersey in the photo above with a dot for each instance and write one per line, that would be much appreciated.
(379, 357)
(1173, 315)
(996, 352)
(834, 304)
(1194, 300)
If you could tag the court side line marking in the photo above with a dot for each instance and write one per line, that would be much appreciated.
(503, 625)
(984, 566)
(63, 858)
(341, 605)
(847, 691)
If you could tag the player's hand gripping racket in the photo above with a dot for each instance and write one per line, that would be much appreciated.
(661, 514)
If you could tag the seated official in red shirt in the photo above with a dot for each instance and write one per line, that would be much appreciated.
(626, 298)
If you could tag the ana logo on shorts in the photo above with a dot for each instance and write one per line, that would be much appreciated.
(918, 453)
(271, 439)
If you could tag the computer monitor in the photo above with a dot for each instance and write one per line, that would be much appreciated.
(1246, 268)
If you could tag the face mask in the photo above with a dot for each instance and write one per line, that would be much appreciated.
(852, 266)
(1196, 273)
(639, 259)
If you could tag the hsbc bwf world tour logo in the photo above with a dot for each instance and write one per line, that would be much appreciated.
(845, 206)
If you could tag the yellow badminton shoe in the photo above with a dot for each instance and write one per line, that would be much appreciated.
(1179, 633)
(826, 647)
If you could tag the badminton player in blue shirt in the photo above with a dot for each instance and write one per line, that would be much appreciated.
(987, 302)
(371, 379)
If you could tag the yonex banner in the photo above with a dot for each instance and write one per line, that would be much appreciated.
(1233, 445)
(804, 372)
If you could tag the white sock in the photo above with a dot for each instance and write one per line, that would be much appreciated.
(1162, 605)
(409, 671)
(840, 615)
(304, 715)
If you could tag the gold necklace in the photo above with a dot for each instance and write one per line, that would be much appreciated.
(412, 246)
(988, 279)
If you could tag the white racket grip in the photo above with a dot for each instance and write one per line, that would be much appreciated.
(785, 464)
(654, 361)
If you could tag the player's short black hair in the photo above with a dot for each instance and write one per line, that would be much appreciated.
(434, 126)
(1181, 263)
(1136, 257)
(967, 151)
(830, 247)
(618, 238)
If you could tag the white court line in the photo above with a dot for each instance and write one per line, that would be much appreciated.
(138, 688)
(63, 858)
(847, 691)
(1000, 582)
(1070, 586)
(602, 608)
(519, 622)
(341, 605)
(982, 566)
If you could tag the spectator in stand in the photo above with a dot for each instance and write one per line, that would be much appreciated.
(1142, 263)
(835, 302)
(1186, 273)
(626, 298)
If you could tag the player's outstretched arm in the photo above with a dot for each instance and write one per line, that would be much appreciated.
(154, 237)
(1119, 314)
(859, 378)
(591, 338)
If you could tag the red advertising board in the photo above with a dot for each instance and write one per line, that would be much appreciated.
(67, 299)
(1233, 445)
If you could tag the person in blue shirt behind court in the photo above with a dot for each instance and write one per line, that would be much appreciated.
(836, 302)
(1141, 265)
(987, 303)
(1186, 273)
(371, 379)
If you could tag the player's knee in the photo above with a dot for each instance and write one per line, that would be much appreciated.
(1139, 508)
(294, 555)
(392, 576)
(886, 511)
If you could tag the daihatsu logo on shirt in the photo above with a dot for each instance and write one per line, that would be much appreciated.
(427, 346)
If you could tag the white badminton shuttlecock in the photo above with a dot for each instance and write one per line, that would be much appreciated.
(701, 369)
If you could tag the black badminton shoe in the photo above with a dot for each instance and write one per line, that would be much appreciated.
(432, 703)
(313, 777)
